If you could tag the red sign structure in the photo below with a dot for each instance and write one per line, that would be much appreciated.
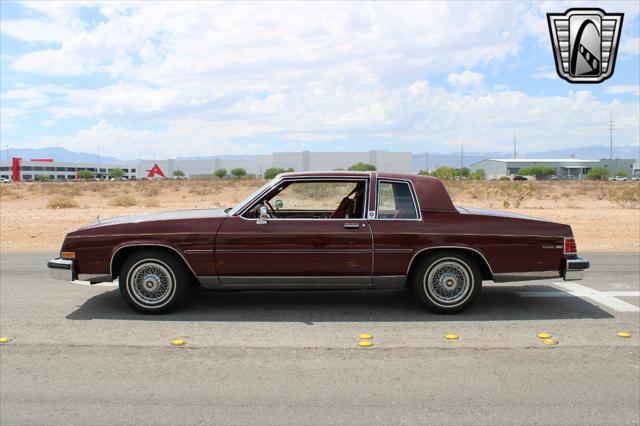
(155, 170)
(15, 166)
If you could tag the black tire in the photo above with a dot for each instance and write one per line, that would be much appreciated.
(153, 281)
(455, 282)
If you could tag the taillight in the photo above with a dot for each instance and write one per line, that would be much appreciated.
(570, 246)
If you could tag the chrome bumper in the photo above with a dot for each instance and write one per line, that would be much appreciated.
(61, 269)
(574, 268)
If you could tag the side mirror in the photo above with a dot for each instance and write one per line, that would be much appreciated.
(263, 216)
(278, 204)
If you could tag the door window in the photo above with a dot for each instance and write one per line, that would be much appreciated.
(396, 201)
(340, 199)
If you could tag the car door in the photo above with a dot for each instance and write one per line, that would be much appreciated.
(304, 247)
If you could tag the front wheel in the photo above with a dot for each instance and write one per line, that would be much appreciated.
(153, 281)
(447, 282)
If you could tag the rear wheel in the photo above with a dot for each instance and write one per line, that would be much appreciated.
(153, 281)
(447, 282)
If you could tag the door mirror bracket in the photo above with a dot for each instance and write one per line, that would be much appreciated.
(263, 216)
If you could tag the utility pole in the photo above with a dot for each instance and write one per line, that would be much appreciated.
(461, 157)
(611, 137)
(7, 153)
(426, 155)
(98, 168)
(514, 145)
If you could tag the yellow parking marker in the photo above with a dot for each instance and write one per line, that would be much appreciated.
(550, 342)
(544, 335)
(451, 336)
(364, 343)
(178, 342)
(5, 339)
(366, 336)
(624, 334)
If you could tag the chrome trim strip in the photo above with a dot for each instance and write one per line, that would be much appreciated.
(393, 250)
(61, 269)
(142, 234)
(244, 208)
(389, 281)
(149, 245)
(574, 275)
(525, 276)
(450, 247)
(95, 278)
(414, 195)
(197, 251)
(294, 251)
(294, 280)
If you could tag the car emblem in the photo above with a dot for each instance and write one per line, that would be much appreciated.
(585, 43)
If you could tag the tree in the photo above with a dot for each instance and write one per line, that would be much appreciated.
(598, 173)
(444, 173)
(178, 173)
(220, 173)
(622, 173)
(238, 172)
(425, 173)
(84, 174)
(479, 174)
(537, 171)
(463, 172)
(362, 167)
(42, 178)
(116, 173)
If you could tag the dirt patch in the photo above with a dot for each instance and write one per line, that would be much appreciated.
(601, 221)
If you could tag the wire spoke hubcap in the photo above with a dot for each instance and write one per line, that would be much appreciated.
(448, 282)
(151, 283)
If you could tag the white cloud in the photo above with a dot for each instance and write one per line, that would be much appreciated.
(624, 88)
(629, 46)
(465, 79)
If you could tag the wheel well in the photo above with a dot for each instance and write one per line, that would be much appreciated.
(122, 254)
(485, 270)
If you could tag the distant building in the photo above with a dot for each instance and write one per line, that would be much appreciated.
(299, 161)
(568, 168)
(25, 170)
(255, 165)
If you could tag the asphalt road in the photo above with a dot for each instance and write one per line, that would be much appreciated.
(79, 355)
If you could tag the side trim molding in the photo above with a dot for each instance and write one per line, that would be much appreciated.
(525, 276)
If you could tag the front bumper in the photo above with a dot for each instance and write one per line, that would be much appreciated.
(61, 269)
(574, 268)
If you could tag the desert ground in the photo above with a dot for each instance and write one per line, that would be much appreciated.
(34, 217)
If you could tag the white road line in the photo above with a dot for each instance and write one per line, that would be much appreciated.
(569, 294)
(598, 296)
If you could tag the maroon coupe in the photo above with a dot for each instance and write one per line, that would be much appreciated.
(347, 230)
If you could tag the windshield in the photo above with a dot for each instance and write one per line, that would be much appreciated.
(250, 197)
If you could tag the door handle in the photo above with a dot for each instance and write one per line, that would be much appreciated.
(348, 225)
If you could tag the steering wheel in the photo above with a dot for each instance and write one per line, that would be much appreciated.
(270, 207)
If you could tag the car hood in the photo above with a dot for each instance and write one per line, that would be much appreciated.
(485, 212)
(152, 217)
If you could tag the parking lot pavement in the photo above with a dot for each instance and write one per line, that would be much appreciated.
(80, 355)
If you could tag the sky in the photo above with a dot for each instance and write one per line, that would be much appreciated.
(202, 78)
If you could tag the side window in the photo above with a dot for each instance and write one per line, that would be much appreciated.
(395, 201)
(315, 200)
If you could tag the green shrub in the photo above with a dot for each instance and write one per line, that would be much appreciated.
(178, 173)
(537, 171)
(362, 167)
(445, 173)
(220, 173)
(42, 178)
(238, 172)
(84, 174)
(598, 173)
(272, 172)
(116, 173)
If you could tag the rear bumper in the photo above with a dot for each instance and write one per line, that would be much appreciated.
(61, 269)
(574, 268)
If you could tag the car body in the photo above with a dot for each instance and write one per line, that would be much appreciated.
(618, 178)
(636, 178)
(334, 230)
(3, 180)
(519, 178)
